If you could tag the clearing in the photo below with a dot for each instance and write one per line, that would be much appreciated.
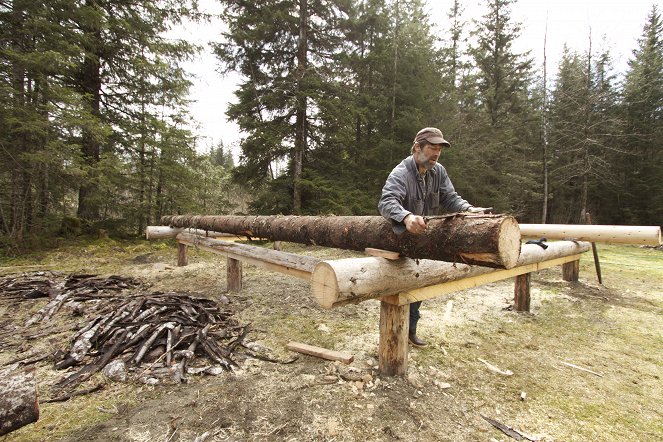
(614, 330)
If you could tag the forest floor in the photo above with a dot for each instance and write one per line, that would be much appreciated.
(614, 330)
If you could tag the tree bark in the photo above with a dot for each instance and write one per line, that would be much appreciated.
(19, 405)
(488, 240)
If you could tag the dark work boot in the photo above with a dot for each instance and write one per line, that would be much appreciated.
(414, 340)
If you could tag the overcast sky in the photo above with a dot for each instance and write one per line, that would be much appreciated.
(568, 21)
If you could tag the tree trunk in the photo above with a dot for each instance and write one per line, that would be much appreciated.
(544, 123)
(490, 240)
(19, 405)
(300, 122)
(88, 205)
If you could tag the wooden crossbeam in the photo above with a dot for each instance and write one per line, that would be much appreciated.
(474, 281)
(289, 263)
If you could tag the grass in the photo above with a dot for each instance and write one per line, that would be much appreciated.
(615, 330)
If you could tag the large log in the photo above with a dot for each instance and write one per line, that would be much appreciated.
(488, 240)
(19, 405)
(344, 281)
(643, 235)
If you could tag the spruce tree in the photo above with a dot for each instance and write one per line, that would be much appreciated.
(641, 201)
(505, 125)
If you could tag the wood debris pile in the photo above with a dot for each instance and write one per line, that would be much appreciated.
(155, 336)
(29, 286)
(129, 333)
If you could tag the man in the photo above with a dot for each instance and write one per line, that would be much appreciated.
(419, 186)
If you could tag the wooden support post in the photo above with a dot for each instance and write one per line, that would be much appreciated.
(394, 322)
(521, 293)
(570, 271)
(182, 256)
(234, 274)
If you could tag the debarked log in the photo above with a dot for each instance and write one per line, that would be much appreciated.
(642, 235)
(488, 240)
(163, 232)
(352, 280)
(19, 405)
(289, 263)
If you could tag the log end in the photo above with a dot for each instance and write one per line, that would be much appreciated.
(509, 242)
(324, 285)
(503, 249)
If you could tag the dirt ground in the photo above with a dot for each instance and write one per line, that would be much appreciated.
(614, 330)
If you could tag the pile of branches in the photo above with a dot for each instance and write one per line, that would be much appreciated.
(79, 288)
(29, 286)
(155, 336)
(52, 284)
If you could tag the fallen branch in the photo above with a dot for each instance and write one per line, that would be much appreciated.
(581, 368)
(66, 397)
(493, 368)
(509, 431)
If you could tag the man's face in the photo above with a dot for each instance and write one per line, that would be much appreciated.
(428, 155)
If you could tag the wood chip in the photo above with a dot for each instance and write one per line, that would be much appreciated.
(320, 352)
(495, 369)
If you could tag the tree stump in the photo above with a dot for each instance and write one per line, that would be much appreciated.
(19, 405)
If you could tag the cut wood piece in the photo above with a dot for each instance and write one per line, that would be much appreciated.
(284, 262)
(488, 240)
(379, 253)
(643, 235)
(353, 280)
(320, 352)
(19, 405)
(164, 232)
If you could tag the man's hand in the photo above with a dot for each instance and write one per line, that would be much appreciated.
(414, 224)
(473, 209)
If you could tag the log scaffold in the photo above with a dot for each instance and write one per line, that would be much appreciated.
(486, 240)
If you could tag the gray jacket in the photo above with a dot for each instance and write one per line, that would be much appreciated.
(405, 192)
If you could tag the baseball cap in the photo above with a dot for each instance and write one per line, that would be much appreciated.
(432, 135)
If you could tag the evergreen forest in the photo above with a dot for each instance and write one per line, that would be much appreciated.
(95, 133)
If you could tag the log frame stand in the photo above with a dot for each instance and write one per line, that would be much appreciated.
(394, 309)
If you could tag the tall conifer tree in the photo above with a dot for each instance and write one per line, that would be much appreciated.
(642, 171)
